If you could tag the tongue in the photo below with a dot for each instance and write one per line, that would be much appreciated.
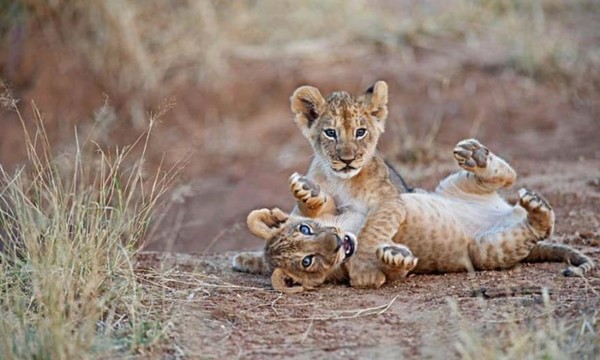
(347, 247)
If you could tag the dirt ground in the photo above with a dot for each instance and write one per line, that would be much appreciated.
(549, 132)
(224, 314)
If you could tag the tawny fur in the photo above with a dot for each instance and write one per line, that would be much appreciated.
(348, 169)
(463, 225)
(287, 246)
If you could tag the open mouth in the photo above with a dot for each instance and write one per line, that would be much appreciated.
(349, 246)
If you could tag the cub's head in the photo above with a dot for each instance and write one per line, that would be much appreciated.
(342, 129)
(301, 252)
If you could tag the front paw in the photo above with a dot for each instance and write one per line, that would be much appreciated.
(396, 259)
(366, 275)
(250, 262)
(306, 191)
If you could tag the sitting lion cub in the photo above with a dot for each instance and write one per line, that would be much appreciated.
(344, 131)
(463, 226)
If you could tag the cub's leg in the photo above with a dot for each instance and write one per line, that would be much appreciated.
(396, 261)
(507, 244)
(311, 201)
(382, 223)
(253, 262)
(484, 172)
(580, 264)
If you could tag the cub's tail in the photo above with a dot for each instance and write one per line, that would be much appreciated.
(579, 264)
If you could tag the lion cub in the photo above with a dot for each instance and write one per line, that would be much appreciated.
(463, 226)
(344, 131)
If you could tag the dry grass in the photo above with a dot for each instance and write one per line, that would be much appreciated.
(143, 44)
(142, 48)
(70, 226)
(546, 336)
(512, 331)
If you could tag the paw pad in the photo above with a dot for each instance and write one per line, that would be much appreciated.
(471, 154)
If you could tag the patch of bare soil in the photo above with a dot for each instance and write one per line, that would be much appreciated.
(223, 314)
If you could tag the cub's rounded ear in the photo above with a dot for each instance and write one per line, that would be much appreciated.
(266, 223)
(281, 282)
(377, 97)
(308, 104)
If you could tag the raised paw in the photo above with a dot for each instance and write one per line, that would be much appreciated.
(306, 191)
(539, 212)
(250, 262)
(470, 154)
(397, 260)
(533, 202)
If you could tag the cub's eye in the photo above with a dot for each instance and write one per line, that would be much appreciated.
(307, 261)
(305, 229)
(360, 133)
(330, 133)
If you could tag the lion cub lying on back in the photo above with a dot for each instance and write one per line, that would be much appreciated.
(464, 225)
(348, 184)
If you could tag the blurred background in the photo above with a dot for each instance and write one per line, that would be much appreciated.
(522, 76)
